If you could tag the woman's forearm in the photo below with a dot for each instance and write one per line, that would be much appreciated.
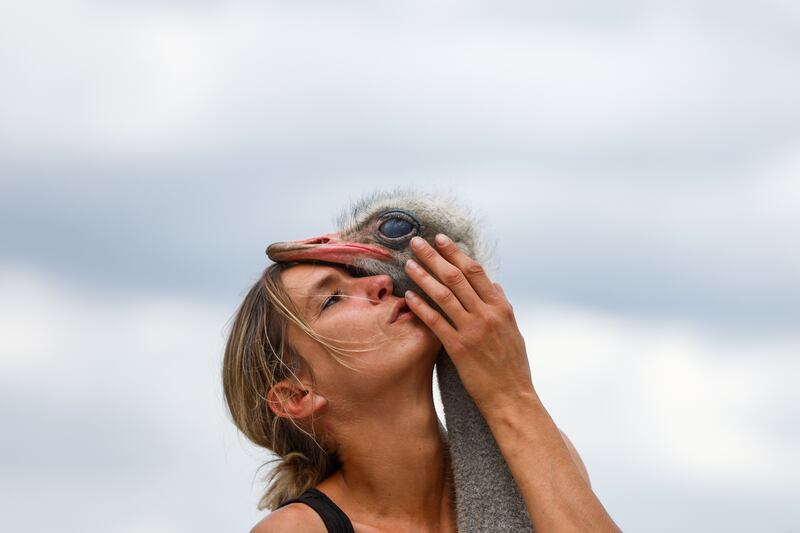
(483, 341)
(557, 496)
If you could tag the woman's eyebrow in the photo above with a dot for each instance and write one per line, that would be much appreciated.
(316, 289)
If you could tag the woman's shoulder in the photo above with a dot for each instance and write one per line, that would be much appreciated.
(291, 518)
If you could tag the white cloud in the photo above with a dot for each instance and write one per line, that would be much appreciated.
(127, 79)
(666, 400)
(647, 404)
(117, 398)
(663, 145)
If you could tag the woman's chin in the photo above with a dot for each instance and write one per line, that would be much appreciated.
(433, 345)
(422, 344)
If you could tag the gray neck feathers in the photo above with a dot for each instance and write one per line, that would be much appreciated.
(487, 497)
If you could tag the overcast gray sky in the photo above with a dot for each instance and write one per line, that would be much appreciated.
(637, 165)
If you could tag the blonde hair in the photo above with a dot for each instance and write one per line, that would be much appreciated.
(257, 356)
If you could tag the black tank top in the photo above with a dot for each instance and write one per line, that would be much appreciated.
(335, 519)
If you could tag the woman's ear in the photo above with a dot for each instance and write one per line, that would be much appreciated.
(290, 399)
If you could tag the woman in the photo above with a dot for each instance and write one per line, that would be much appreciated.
(333, 373)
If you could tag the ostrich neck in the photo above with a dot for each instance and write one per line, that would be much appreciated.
(487, 497)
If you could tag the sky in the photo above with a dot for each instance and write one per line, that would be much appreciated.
(635, 163)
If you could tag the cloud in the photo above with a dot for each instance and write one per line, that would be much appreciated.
(636, 162)
(718, 249)
(144, 80)
(118, 400)
(706, 409)
(642, 158)
(670, 418)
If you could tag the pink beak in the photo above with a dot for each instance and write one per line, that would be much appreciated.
(328, 247)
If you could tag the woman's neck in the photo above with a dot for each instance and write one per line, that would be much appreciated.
(395, 467)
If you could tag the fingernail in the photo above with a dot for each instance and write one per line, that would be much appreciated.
(416, 242)
(412, 264)
(442, 239)
(410, 295)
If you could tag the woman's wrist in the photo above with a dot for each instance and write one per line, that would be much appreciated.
(506, 407)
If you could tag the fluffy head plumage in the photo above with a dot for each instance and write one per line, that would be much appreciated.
(436, 212)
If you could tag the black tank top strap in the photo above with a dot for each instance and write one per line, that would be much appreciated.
(333, 517)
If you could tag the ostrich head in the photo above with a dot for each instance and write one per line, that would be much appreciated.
(374, 233)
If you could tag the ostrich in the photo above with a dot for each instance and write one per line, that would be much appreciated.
(372, 239)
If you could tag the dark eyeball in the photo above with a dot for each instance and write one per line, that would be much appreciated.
(394, 228)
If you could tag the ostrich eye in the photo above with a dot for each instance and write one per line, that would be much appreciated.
(394, 228)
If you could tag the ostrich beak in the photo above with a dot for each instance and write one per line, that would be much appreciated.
(328, 247)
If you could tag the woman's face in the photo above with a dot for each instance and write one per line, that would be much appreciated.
(359, 313)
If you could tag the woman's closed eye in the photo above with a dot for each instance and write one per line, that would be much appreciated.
(332, 299)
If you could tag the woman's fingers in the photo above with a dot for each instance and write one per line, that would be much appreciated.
(452, 280)
(483, 340)
(440, 294)
(433, 319)
(473, 270)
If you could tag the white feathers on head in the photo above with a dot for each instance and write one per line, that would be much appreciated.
(438, 212)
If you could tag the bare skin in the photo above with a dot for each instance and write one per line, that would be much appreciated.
(395, 474)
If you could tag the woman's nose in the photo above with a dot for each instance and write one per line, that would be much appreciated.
(378, 287)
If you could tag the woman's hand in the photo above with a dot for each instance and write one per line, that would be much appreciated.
(489, 353)
(482, 337)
